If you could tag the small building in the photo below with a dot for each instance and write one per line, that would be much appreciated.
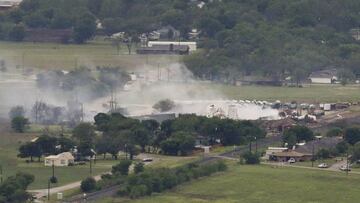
(279, 126)
(165, 33)
(290, 154)
(324, 76)
(272, 150)
(8, 4)
(192, 45)
(63, 159)
(355, 33)
(170, 49)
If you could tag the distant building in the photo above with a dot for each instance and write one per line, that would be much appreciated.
(355, 33)
(290, 154)
(158, 117)
(164, 49)
(9, 4)
(192, 45)
(324, 76)
(272, 150)
(194, 34)
(165, 33)
(63, 159)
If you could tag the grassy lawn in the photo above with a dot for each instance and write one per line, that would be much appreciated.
(61, 56)
(258, 184)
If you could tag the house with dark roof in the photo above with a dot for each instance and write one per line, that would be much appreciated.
(290, 154)
(328, 76)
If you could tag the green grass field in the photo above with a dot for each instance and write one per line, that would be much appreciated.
(259, 184)
(63, 57)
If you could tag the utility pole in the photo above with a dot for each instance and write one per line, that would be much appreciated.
(256, 145)
(90, 167)
(1, 174)
(347, 162)
(53, 169)
(313, 157)
(49, 189)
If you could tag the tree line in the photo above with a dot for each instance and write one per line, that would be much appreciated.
(275, 39)
(114, 132)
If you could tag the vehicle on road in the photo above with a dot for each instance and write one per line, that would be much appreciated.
(345, 168)
(323, 165)
(147, 160)
(291, 161)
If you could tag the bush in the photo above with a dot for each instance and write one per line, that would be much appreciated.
(88, 185)
(251, 158)
(139, 167)
(122, 168)
(138, 191)
(323, 154)
(53, 180)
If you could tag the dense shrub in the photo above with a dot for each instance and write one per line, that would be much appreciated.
(88, 185)
(251, 158)
(139, 167)
(158, 180)
(122, 168)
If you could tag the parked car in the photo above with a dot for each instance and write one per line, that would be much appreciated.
(291, 161)
(345, 168)
(147, 160)
(323, 165)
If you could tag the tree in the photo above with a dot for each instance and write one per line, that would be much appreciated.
(47, 144)
(139, 167)
(251, 158)
(13, 189)
(334, 132)
(88, 185)
(16, 111)
(84, 132)
(355, 157)
(301, 133)
(352, 135)
(122, 168)
(323, 154)
(17, 33)
(84, 28)
(19, 124)
(30, 149)
(164, 105)
(141, 137)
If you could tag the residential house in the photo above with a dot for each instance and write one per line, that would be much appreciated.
(9, 4)
(63, 159)
(272, 150)
(328, 76)
(290, 154)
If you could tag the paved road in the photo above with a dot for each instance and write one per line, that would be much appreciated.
(44, 192)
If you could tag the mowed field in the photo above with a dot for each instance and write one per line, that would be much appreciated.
(65, 57)
(259, 184)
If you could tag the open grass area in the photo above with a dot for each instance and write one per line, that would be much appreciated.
(258, 184)
(62, 56)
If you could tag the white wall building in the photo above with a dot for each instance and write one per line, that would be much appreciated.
(192, 45)
(63, 159)
(324, 76)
